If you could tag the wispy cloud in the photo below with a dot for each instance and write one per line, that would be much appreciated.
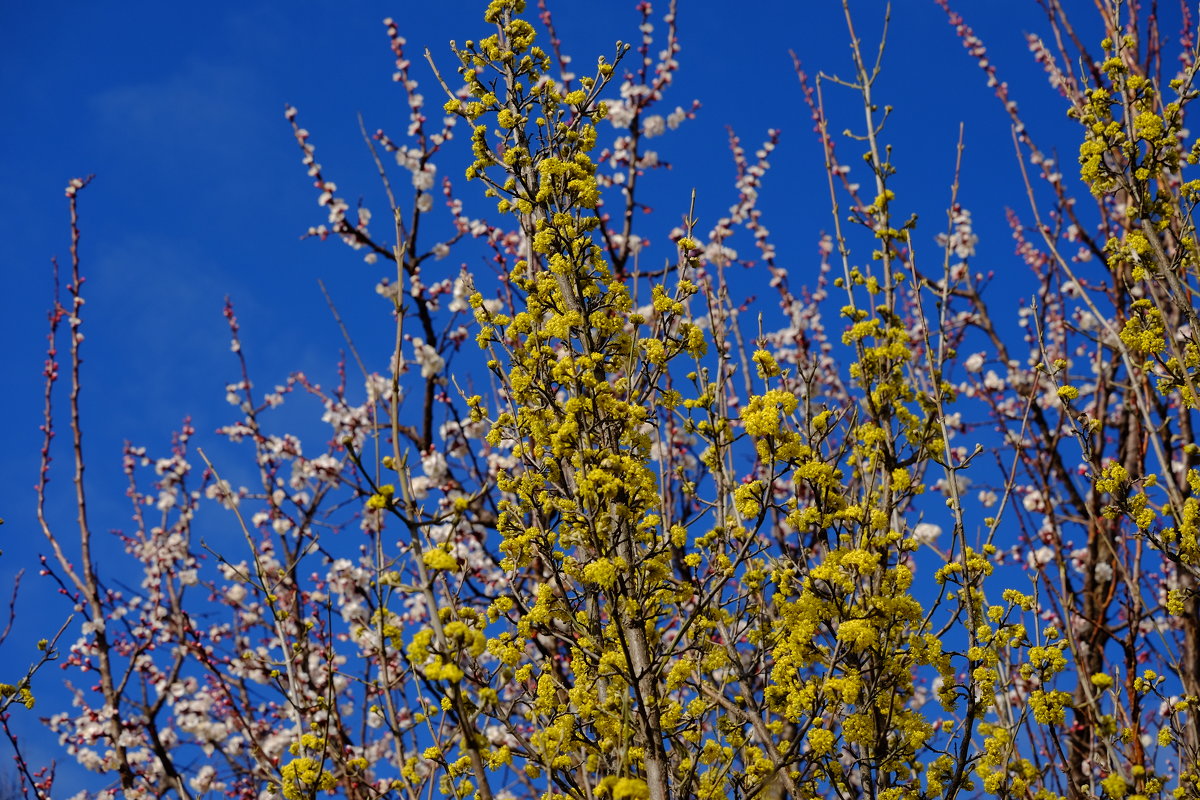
(204, 112)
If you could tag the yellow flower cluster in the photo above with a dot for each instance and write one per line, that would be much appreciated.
(23, 695)
(304, 776)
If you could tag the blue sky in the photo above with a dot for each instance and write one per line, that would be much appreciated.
(199, 191)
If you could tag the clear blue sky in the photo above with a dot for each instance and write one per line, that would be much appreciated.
(178, 110)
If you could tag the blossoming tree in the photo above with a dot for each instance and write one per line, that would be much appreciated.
(658, 553)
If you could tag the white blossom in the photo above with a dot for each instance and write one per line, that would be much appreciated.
(428, 358)
(1043, 555)
(927, 532)
(653, 126)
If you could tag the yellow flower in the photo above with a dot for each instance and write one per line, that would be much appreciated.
(1115, 786)
(303, 777)
(439, 559)
(821, 740)
(382, 498)
(767, 367)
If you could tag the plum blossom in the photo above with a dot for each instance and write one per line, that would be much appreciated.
(429, 359)
(434, 465)
(927, 532)
(1040, 557)
(654, 125)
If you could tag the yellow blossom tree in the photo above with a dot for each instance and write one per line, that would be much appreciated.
(655, 555)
